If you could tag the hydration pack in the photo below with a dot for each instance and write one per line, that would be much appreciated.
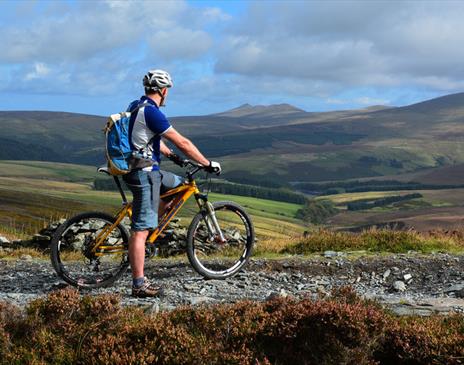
(119, 155)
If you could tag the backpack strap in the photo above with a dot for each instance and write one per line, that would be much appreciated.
(139, 106)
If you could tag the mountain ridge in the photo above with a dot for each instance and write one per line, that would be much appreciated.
(254, 141)
(248, 109)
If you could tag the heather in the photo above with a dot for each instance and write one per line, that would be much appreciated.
(67, 328)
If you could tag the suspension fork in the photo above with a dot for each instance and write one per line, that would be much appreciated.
(210, 218)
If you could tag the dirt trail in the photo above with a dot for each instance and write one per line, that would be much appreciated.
(408, 284)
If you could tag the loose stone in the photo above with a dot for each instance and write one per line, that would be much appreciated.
(400, 286)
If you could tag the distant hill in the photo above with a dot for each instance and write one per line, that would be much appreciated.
(261, 110)
(51, 136)
(273, 144)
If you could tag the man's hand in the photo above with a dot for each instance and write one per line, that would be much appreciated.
(176, 159)
(213, 168)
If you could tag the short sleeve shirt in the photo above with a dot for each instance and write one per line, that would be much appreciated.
(146, 128)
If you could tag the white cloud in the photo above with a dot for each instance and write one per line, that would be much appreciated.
(350, 44)
(179, 43)
(273, 51)
(40, 70)
(92, 47)
(336, 101)
(367, 100)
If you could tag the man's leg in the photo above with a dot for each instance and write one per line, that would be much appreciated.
(168, 181)
(137, 253)
(144, 216)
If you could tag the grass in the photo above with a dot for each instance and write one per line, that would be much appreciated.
(35, 193)
(17, 253)
(381, 240)
(47, 170)
(341, 199)
(373, 241)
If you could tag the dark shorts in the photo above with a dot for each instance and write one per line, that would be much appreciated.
(146, 187)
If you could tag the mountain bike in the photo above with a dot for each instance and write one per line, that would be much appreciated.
(91, 249)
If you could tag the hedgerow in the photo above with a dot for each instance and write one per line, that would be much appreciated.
(65, 328)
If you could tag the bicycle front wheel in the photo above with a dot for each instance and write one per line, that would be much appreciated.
(216, 257)
(74, 257)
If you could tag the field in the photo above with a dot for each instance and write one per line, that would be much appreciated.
(34, 193)
(437, 209)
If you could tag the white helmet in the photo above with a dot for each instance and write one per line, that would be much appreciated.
(156, 80)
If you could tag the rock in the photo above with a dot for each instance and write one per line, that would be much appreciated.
(386, 274)
(459, 293)
(200, 300)
(454, 288)
(40, 238)
(400, 286)
(275, 295)
(78, 241)
(4, 240)
(407, 277)
(26, 257)
(190, 287)
(283, 293)
(330, 254)
(152, 308)
(113, 240)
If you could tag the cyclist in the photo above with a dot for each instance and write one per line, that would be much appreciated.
(147, 126)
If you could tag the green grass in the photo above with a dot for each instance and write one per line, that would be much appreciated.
(47, 170)
(35, 193)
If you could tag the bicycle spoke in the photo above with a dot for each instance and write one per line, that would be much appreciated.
(214, 257)
(79, 261)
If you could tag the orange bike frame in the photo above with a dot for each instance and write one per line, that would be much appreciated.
(181, 195)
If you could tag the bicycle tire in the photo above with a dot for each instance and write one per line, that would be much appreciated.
(238, 230)
(63, 251)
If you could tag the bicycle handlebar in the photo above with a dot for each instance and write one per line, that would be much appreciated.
(192, 167)
(195, 168)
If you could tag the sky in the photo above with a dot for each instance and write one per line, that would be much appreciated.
(90, 56)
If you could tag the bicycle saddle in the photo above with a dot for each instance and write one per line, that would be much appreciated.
(103, 169)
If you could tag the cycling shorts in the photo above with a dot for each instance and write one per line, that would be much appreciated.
(146, 187)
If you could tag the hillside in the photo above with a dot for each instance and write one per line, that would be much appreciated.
(271, 145)
(51, 136)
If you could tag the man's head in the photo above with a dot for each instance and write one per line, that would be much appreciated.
(157, 82)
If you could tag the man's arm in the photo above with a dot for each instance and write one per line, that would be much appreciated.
(183, 144)
(165, 150)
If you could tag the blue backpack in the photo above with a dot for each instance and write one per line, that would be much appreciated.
(119, 154)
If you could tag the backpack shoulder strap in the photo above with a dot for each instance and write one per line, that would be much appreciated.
(139, 106)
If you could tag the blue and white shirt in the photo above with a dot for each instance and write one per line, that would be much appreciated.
(146, 128)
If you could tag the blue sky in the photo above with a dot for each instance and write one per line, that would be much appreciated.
(90, 56)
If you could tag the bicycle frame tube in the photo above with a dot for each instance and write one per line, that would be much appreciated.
(103, 235)
(182, 194)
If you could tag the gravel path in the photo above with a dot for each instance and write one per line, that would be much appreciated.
(408, 284)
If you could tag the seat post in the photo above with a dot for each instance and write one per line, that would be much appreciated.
(121, 191)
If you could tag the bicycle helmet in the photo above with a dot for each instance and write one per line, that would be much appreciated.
(156, 80)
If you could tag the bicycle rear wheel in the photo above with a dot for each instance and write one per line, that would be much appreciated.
(209, 256)
(75, 261)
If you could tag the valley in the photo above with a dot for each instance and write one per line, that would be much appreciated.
(275, 146)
